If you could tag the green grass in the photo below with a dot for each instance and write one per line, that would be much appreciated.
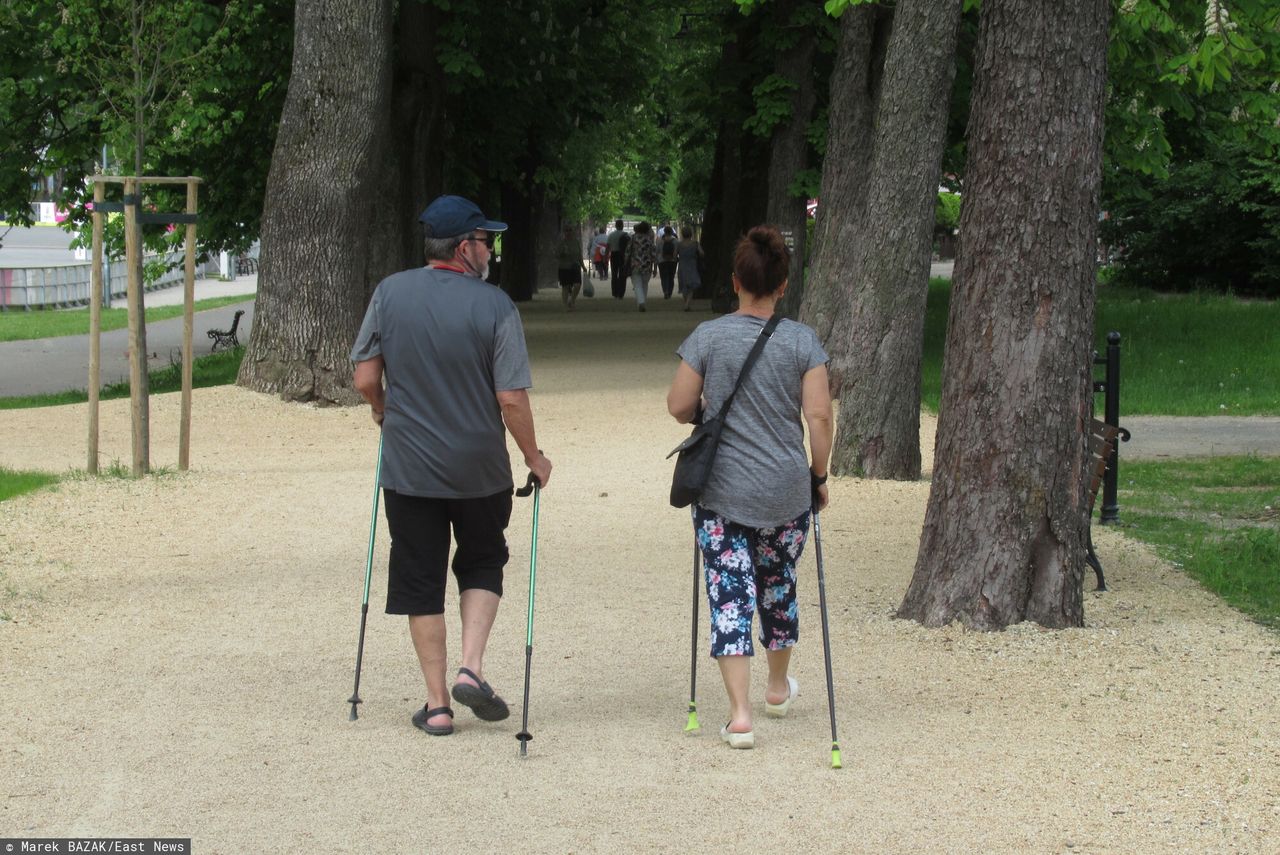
(1180, 355)
(16, 482)
(54, 323)
(1218, 518)
(217, 369)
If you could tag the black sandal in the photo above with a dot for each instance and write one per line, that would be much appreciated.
(421, 716)
(481, 699)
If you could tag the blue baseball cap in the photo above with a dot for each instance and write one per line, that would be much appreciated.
(450, 216)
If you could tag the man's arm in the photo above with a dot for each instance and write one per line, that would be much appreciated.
(517, 415)
(368, 382)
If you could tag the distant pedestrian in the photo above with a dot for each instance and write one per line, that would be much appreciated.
(617, 242)
(642, 261)
(600, 254)
(571, 267)
(451, 351)
(689, 265)
(667, 261)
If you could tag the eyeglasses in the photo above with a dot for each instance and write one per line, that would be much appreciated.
(487, 240)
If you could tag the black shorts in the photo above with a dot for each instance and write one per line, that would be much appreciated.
(570, 276)
(420, 527)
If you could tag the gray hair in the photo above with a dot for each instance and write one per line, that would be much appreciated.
(441, 249)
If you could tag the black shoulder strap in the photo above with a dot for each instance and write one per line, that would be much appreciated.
(761, 340)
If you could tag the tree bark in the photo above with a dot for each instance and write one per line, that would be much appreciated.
(412, 174)
(875, 344)
(789, 157)
(855, 92)
(1005, 528)
(317, 259)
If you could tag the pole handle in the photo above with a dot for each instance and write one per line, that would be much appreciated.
(528, 488)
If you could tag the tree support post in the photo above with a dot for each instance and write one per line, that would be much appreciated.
(188, 321)
(95, 327)
(137, 358)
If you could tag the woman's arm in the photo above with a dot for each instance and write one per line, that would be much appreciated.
(815, 403)
(685, 396)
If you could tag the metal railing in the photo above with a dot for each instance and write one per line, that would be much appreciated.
(27, 288)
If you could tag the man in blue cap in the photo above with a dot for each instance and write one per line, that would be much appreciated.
(451, 349)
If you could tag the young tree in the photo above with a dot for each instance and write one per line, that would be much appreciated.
(1004, 532)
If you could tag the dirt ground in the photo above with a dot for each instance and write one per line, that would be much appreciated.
(177, 654)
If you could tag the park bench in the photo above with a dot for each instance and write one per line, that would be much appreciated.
(226, 338)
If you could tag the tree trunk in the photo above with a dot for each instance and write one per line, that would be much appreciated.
(875, 344)
(1004, 534)
(855, 92)
(412, 174)
(317, 256)
(789, 157)
(519, 242)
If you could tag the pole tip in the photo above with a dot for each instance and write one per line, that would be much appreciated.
(692, 724)
(835, 758)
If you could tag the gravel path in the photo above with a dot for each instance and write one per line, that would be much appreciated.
(177, 654)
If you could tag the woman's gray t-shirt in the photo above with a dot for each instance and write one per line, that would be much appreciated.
(761, 472)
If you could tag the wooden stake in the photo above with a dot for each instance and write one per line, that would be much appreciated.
(137, 358)
(95, 327)
(189, 297)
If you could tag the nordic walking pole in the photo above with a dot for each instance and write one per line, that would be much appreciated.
(692, 723)
(826, 638)
(531, 486)
(368, 574)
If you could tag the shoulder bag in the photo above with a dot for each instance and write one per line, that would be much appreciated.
(698, 452)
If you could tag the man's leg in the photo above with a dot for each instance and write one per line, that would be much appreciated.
(428, 634)
(479, 609)
(479, 527)
(419, 530)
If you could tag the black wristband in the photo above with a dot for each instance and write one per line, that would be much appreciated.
(815, 480)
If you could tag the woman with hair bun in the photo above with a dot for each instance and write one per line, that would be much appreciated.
(752, 519)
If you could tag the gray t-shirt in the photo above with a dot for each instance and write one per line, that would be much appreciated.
(761, 473)
(449, 343)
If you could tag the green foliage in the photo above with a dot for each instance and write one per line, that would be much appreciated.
(15, 482)
(1191, 355)
(1215, 518)
(946, 214)
(1212, 223)
(773, 104)
(208, 98)
(1193, 133)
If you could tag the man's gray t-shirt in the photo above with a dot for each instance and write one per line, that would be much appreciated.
(761, 472)
(449, 343)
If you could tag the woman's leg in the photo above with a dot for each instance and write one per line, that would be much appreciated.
(731, 595)
(640, 284)
(777, 550)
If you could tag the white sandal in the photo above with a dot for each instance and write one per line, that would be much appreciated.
(780, 710)
(738, 740)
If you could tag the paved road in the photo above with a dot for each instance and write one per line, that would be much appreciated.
(41, 246)
(57, 364)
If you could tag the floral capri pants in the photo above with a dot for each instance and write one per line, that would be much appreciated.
(748, 569)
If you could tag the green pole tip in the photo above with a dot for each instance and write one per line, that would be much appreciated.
(692, 723)
(835, 758)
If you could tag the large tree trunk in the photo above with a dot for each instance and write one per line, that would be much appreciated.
(316, 251)
(412, 173)
(519, 242)
(789, 157)
(855, 92)
(875, 344)
(1004, 533)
